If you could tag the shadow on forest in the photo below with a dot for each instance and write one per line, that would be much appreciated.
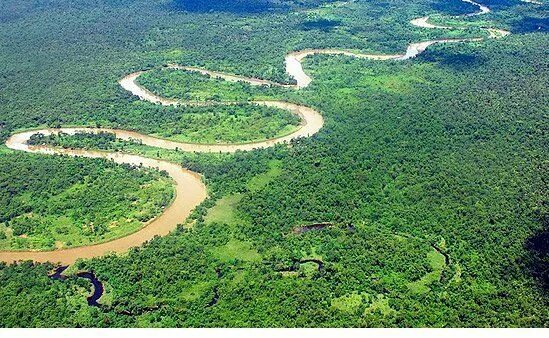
(453, 7)
(231, 6)
(537, 261)
(457, 61)
(324, 25)
(530, 24)
(463, 8)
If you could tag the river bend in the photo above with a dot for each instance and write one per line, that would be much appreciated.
(190, 191)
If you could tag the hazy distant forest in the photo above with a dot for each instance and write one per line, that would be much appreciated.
(431, 173)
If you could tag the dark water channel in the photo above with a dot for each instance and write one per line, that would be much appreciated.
(97, 285)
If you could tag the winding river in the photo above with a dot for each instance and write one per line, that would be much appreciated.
(190, 191)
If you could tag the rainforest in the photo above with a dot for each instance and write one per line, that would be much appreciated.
(274, 163)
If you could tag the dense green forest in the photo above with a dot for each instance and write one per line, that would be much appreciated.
(59, 202)
(430, 174)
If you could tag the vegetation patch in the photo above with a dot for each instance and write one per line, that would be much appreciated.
(195, 291)
(54, 202)
(379, 304)
(531, 24)
(321, 24)
(260, 181)
(308, 268)
(190, 85)
(217, 124)
(224, 211)
(229, 124)
(107, 296)
(347, 303)
(236, 250)
(437, 263)
(400, 83)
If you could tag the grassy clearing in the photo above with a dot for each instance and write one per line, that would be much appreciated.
(72, 270)
(239, 277)
(456, 279)
(396, 83)
(224, 211)
(261, 180)
(311, 254)
(236, 250)
(194, 291)
(348, 303)
(289, 273)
